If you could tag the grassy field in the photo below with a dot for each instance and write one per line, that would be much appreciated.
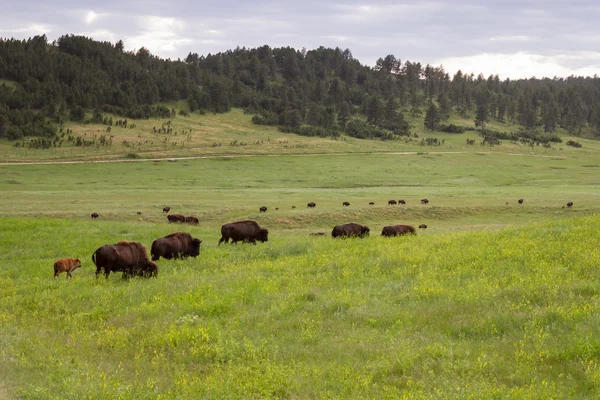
(234, 134)
(493, 300)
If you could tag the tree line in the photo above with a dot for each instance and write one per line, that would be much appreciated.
(321, 92)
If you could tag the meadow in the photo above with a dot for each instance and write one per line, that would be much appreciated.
(493, 300)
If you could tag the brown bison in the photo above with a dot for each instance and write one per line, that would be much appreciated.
(345, 204)
(176, 245)
(293, 206)
(129, 257)
(392, 203)
(401, 202)
(311, 205)
(398, 230)
(246, 231)
(139, 213)
(94, 215)
(176, 218)
(67, 265)
(371, 203)
(166, 209)
(192, 220)
(423, 226)
(570, 204)
(350, 230)
(520, 201)
(263, 209)
(424, 201)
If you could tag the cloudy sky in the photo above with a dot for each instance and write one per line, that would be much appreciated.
(514, 39)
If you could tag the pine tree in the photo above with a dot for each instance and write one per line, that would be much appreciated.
(432, 117)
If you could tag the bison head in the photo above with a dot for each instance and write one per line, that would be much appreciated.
(263, 235)
(364, 231)
(151, 269)
(195, 250)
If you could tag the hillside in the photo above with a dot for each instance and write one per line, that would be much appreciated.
(76, 84)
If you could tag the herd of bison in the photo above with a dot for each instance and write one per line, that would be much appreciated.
(131, 258)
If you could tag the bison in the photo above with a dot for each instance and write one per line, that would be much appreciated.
(311, 205)
(176, 245)
(129, 257)
(350, 230)
(293, 206)
(345, 204)
(166, 209)
(371, 203)
(191, 220)
(398, 230)
(392, 202)
(139, 213)
(263, 209)
(570, 204)
(424, 201)
(423, 226)
(247, 231)
(401, 202)
(67, 265)
(520, 201)
(317, 234)
(94, 215)
(176, 218)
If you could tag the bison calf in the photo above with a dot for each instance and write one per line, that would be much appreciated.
(398, 230)
(67, 265)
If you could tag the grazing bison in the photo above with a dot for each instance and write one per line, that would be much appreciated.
(392, 203)
(423, 226)
(371, 203)
(176, 218)
(192, 220)
(247, 231)
(570, 204)
(263, 209)
(293, 206)
(520, 201)
(166, 209)
(350, 230)
(67, 265)
(276, 208)
(311, 205)
(139, 213)
(398, 230)
(317, 234)
(176, 245)
(94, 215)
(345, 204)
(129, 257)
(401, 202)
(424, 201)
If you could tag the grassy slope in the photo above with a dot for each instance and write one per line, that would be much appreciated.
(235, 127)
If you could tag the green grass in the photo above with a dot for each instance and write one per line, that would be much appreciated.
(493, 300)
(511, 314)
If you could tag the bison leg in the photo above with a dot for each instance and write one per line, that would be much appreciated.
(223, 239)
(55, 273)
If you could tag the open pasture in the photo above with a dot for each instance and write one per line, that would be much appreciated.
(492, 300)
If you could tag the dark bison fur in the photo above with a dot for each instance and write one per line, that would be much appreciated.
(392, 202)
(345, 204)
(520, 201)
(350, 230)
(192, 220)
(176, 218)
(423, 226)
(166, 209)
(129, 257)
(245, 231)
(570, 204)
(263, 209)
(94, 215)
(401, 202)
(176, 245)
(398, 230)
(311, 205)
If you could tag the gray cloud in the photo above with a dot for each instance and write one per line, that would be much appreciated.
(553, 36)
